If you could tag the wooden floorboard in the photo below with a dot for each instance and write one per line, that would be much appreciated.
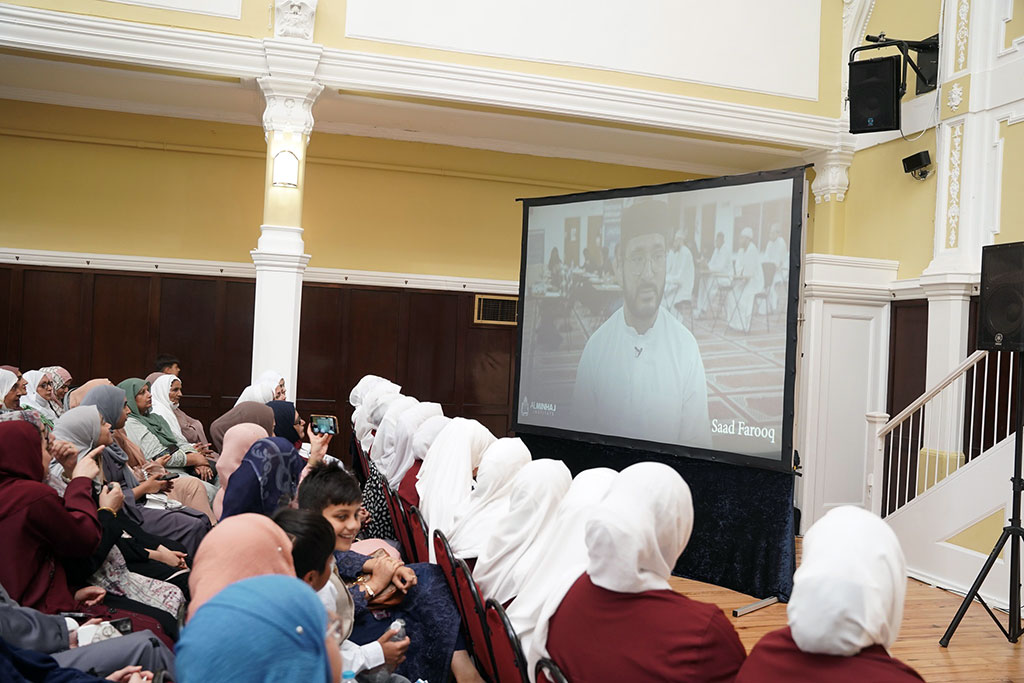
(978, 651)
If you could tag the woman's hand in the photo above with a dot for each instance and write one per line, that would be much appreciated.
(88, 465)
(363, 515)
(204, 472)
(64, 453)
(90, 595)
(394, 652)
(130, 674)
(172, 558)
(318, 444)
(163, 460)
(404, 579)
(112, 497)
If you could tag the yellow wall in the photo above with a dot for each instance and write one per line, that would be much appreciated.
(1011, 219)
(93, 181)
(1015, 26)
(890, 215)
(981, 536)
(256, 21)
(905, 19)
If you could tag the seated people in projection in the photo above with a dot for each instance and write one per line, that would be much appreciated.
(679, 274)
(641, 374)
(776, 252)
(747, 282)
(718, 275)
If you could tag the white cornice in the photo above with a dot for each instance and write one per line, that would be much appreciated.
(157, 264)
(211, 53)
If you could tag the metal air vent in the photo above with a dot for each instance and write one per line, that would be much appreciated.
(490, 309)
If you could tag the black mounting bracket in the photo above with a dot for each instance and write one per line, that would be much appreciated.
(926, 67)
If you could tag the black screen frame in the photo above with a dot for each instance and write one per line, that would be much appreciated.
(784, 461)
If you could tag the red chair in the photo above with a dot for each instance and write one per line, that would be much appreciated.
(475, 619)
(446, 561)
(548, 672)
(418, 530)
(509, 660)
(398, 522)
(406, 525)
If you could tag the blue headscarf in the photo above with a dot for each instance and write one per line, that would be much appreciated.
(277, 467)
(266, 628)
(284, 420)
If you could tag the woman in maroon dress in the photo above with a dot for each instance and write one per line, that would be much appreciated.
(845, 611)
(621, 620)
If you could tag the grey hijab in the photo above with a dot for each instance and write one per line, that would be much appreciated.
(80, 427)
(109, 400)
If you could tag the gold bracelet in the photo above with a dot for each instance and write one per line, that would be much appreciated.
(110, 510)
(369, 590)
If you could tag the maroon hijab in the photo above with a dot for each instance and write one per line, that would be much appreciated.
(36, 526)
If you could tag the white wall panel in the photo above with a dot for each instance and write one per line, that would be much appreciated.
(218, 8)
(760, 45)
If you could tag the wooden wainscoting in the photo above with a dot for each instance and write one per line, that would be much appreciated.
(113, 323)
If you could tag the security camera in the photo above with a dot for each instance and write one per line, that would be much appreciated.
(917, 165)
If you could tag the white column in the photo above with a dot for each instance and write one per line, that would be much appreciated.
(289, 90)
(949, 303)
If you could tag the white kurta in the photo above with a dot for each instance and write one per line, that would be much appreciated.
(647, 386)
(777, 253)
(679, 275)
(720, 267)
(740, 302)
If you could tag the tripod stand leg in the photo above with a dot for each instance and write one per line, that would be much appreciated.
(969, 598)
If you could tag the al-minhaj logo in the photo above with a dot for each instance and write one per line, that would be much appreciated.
(524, 407)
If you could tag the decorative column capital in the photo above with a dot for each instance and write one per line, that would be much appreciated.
(289, 104)
(294, 19)
(831, 175)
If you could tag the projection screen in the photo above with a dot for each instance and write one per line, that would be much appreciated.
(663, 318)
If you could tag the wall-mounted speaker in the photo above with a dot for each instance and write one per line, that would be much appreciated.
(1001, 301)
(874, 94)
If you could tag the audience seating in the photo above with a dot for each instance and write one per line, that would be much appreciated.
(548, 672)
(475, 618)
(399, 523)
(509, 660)
(446, 561)
(418, 529)
(360, 467)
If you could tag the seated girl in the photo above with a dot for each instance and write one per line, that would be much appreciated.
(154, 436)
(383, 589)
(846, 607)
(620, 620)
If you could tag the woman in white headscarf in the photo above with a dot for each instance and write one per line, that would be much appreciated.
(371, 412)
(636, 627)
(61, 386)
(363, 387)
(846, 607)
(536, 493)
(38, 394)
(446, 478)
(260, 392)
(162, 406)
(395, 464)
(422, 440)
(8, 391)
(561, 546)
(387, 430)
(476, 522)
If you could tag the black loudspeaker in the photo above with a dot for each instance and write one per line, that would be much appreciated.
(875, 94)
(1001, 304)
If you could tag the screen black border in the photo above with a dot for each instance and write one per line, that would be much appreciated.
(784, 461)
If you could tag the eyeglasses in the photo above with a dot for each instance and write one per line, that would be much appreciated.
(638, 261)
(45, 384)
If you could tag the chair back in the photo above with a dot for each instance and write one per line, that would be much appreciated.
(418, 533)
(359, 465)
(509, 660)
(398, 523)
(475, 618)
(548, 672)
(769, 274)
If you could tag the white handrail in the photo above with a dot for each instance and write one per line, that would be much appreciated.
(964, 366)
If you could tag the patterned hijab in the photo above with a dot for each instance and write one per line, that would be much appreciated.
(156, 425)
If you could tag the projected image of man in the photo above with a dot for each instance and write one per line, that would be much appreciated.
(641, 375)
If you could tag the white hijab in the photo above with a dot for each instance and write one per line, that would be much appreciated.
(386, 437)
(7, 381)
(848, 592)
(33, 400)
(364, 385)
(402, 456)
(537, 491)
(261, 392)
(162, 406)
(372, 413)
(631, 547)
(561, 553)
(474, 523)
(270, 377)
(446, 478)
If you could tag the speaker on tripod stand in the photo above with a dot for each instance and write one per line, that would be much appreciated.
(1001, 328)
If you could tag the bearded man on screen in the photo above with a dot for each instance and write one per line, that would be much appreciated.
(641, 375)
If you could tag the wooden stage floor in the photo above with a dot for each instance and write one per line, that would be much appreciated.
(978, 651)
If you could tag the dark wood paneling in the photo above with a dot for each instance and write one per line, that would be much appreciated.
(186, 327)
(432, 352)
(424, 341)
(120, 330)
(51, 310)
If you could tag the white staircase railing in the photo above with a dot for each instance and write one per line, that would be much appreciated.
(965, 414)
